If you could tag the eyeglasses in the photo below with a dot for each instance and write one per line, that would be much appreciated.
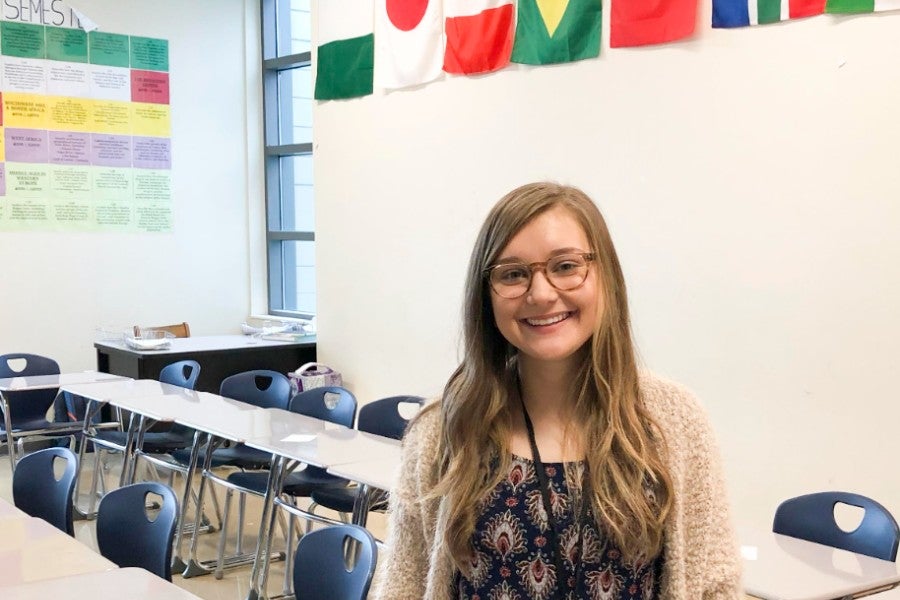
(564, 272)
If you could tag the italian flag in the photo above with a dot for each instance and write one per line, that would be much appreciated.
(345, 51)
(741, 13)
(479, 35)
(642, 22)
(408, 42)
(555, 31)
(861, 6)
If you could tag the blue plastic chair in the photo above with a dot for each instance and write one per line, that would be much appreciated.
(128, 537)
(320, 564)
(25, 411)
(811, 518)
(38, 492)
(381, 417)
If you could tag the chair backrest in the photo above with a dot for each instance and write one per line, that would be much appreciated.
(37, 492)
(382, 417)
(320, 568)
(329, 403)
(266, 389)
(183, 373)
(181, 330)
(127, 536)
(811, 517)
(28, 405)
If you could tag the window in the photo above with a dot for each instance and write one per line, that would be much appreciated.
(290, 207)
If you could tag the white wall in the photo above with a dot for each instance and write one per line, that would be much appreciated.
(750, 181)
(57, 287)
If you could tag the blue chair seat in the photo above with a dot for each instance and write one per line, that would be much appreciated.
(341, 499)
(239, 456)
(301, 483)
(155, 442)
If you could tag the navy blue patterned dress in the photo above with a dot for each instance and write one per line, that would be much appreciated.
(512, 560)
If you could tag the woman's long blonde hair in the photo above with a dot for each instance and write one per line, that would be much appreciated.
(630, 485)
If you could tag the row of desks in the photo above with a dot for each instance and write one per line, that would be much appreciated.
(776, 567)
(38, 561)
(290, 438)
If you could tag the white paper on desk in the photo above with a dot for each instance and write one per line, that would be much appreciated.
(299, 438)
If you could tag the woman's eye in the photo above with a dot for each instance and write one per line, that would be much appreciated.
(513, 274)
(565, 266)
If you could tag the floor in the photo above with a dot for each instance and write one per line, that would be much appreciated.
(234, 584)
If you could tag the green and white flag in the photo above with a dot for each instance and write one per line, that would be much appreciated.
(555, 31)
(345, 56)
(861, 6)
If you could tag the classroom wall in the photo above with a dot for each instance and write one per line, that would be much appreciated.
(749, 180)
(59, 286)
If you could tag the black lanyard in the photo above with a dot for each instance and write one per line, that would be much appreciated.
(561, 577)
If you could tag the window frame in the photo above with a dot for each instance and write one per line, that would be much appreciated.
(277, 105)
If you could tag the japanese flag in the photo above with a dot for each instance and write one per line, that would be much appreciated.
(408, 42)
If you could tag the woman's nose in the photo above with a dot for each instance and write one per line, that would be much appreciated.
(541, 289)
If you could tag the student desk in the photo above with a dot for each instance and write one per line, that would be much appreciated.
(32, 550)
(131, 583)
(371, 475)
(43, 382)
(135, 396)
(219, 356)
(779, 567)
(293, 439)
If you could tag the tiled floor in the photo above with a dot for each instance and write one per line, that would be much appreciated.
(234, 584)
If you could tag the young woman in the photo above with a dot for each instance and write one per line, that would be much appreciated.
(552, 468)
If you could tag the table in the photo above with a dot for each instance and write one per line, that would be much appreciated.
(219, 356)
(8, 510)
(779, 567)
(43, 382)
(294, 439)
(142, 397)
(131, 583)
(32, 550)
(370, 475)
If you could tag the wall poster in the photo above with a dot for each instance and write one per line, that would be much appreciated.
(85, 140)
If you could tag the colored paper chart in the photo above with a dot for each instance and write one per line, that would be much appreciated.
(85, 141)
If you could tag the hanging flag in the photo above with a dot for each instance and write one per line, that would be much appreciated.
(861, 6)
(555, 31)
(345, 54)
(741, 13)
(408, 42)
(642, 22)
(479, 35)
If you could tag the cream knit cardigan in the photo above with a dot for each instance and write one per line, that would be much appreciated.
(701, 558)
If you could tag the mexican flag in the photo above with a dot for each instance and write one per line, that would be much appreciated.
(861, 6)
(642, 22)
(555, 31)
(408, 42)
(479, 35)
(741, 13)
(345, 51)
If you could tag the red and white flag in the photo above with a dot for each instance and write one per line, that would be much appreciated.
(479, 35)
(408, 42)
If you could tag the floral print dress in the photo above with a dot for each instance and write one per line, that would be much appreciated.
(512, 559)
